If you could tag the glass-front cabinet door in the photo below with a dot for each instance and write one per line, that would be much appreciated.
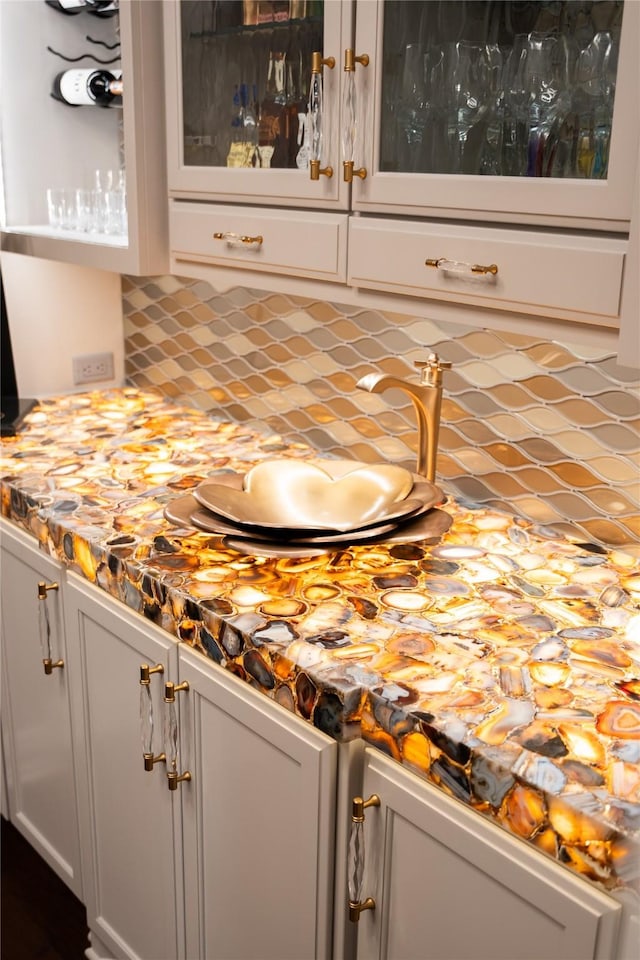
(256, 118)
(512, 110)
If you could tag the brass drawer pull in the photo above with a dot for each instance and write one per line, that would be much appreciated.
(458, 266)
(238, 238)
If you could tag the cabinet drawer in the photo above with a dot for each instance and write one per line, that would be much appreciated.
(298, 243)
(548, 273)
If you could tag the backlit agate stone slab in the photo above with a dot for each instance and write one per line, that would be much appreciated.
(500, 662)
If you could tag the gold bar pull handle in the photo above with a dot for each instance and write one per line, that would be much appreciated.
(458, 266)
(171, 734)
(233, 238)
(147, 725)
(356, 857)
(350, 117)
(44, 628)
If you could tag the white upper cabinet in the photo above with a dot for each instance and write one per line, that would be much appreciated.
(522, 113)
(106, 165)
(239, 128)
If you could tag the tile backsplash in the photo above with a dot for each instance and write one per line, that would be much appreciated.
(543, 429)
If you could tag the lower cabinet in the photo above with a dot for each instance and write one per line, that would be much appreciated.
(208, 823)
(448, 885)
(130, 823)
(258, 823)
(36, 715)
(237, 860)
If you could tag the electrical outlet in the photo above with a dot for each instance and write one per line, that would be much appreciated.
(92, 367)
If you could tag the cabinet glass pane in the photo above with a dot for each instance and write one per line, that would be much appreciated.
(246, 68)
(516, 88)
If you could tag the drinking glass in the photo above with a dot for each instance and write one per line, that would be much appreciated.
(412, 110)
(115, 207)
(475, 71)
(55, 209)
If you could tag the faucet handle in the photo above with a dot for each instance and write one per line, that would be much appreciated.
(431, 369)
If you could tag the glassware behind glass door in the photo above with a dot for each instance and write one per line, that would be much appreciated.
(499, 88)
(246, 68)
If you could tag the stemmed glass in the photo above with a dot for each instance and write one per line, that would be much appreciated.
(475, 71)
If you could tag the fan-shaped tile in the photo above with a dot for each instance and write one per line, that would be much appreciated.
(619, 403)
(551, 356)
(585, 380)
(476, 431)
(573, 474)
(476, 402)
(482, 343)
(541, 450)
(510, 426)
(507, 454)
(512, 396)
(547, 388)
(615, 436)
(615, 502)
(577, 443)
(544, 419)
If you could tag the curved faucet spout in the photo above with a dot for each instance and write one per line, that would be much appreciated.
(427, 401)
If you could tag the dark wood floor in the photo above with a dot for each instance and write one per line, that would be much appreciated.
(40, 919)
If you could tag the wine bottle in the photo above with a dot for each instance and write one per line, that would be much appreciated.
(87, 87)
(99, 8)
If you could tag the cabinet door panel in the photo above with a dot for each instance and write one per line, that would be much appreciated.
(216, 84)
(450, 886)
(36, 722)
(130, 826)
(258, 823)
(416, 109)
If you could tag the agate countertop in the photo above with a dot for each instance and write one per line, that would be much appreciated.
(499, 661)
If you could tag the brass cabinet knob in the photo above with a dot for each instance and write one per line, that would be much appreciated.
(43, 589)
(350, 172)
(51, 665)
(316, 171)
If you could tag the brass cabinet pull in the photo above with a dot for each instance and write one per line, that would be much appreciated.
(146, 717)
(44, 628)
(350, 60)
(349, 120)
(173, 778)
(239, 238)
(458, 266)
(170, 690)
(315, 170)
(350, 172)
(318, 62)
(50, 665)
(43, 589)
(356, 857)
(171, 734)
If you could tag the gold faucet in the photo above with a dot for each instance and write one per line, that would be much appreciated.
(427, 400)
